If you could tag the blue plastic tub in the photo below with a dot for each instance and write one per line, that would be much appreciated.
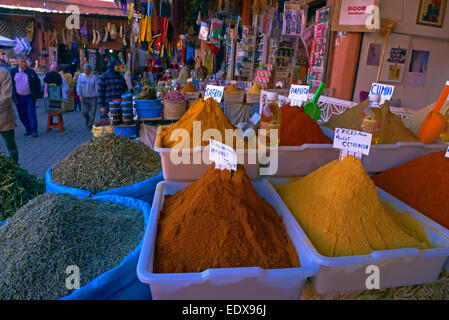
(126, 131)
(143, 190)
(149, 108)
(149, 103)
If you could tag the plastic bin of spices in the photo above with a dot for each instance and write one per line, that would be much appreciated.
(191, 164)
(397, 268)
(226, 283)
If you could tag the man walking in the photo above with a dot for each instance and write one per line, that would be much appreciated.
(7, 121)
(111, 86)
(26, 87)
(87, 89)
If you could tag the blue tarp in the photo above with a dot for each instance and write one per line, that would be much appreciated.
(6, 42)
(119, 283)
(143, 190)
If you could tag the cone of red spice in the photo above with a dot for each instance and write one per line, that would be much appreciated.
(298, 128)
(422, 183)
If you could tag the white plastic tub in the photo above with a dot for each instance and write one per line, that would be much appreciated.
(297, 161)
(198, 161)
(227, 283)
(401, 267)
(386, 156)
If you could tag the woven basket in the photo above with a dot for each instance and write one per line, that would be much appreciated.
(234, 97)
(252, 98)
(102, 131)
(174, 110)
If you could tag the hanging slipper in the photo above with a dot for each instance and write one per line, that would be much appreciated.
(64, 40)
(105, 38)
(121, 30)
(94, 35)
(98, 37)
(113, 32)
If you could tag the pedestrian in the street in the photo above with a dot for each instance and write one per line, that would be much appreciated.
(76, 97)
(111, 86)
(26, 87)
(3, 62)
(67, 75)
(87, 89)
(53, 87)
(7, 121)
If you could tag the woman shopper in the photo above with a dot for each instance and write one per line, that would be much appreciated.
(53, 87)
(67, 75)
(7, 121)
(87, 89)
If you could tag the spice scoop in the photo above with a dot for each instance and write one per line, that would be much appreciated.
(434, 123)
(312, 108)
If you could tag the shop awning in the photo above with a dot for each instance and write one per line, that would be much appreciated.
(6, 42)
(97, 7)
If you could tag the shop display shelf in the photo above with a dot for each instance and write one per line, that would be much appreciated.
(386, 156)
(400, 267)
(198, 161)
(252, 283)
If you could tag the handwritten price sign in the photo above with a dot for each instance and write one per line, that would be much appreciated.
(214, 92)
(298, 94)
(223, 155)
(352, 142)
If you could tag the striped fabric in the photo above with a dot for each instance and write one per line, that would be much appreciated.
(5, 29)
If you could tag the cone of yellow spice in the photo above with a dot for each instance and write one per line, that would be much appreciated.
(207, 115)
(188, 88)
(232, 88)
(340, 211)
(254, 89)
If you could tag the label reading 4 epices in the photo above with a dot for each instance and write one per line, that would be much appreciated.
(215, 92)
(352, 140)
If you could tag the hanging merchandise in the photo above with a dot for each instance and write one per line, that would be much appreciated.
(131, 11)
(294, 19)
(84, 31)
(216, 27)
(74, 54)
(165, 9)
(266, 19)
(204, 31)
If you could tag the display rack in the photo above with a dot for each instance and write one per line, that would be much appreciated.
(320, 48)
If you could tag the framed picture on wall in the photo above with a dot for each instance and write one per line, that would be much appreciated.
(431, 13)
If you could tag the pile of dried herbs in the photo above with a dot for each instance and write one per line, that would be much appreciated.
(55, 231)
(106, 163)
(17, 187)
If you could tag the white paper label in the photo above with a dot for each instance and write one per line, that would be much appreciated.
(298, 94)
(447, 153)
(223, 155)
(385, 91)
(215, 92)
(352, 141)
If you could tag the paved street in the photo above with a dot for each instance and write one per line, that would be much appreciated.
(36, 155)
